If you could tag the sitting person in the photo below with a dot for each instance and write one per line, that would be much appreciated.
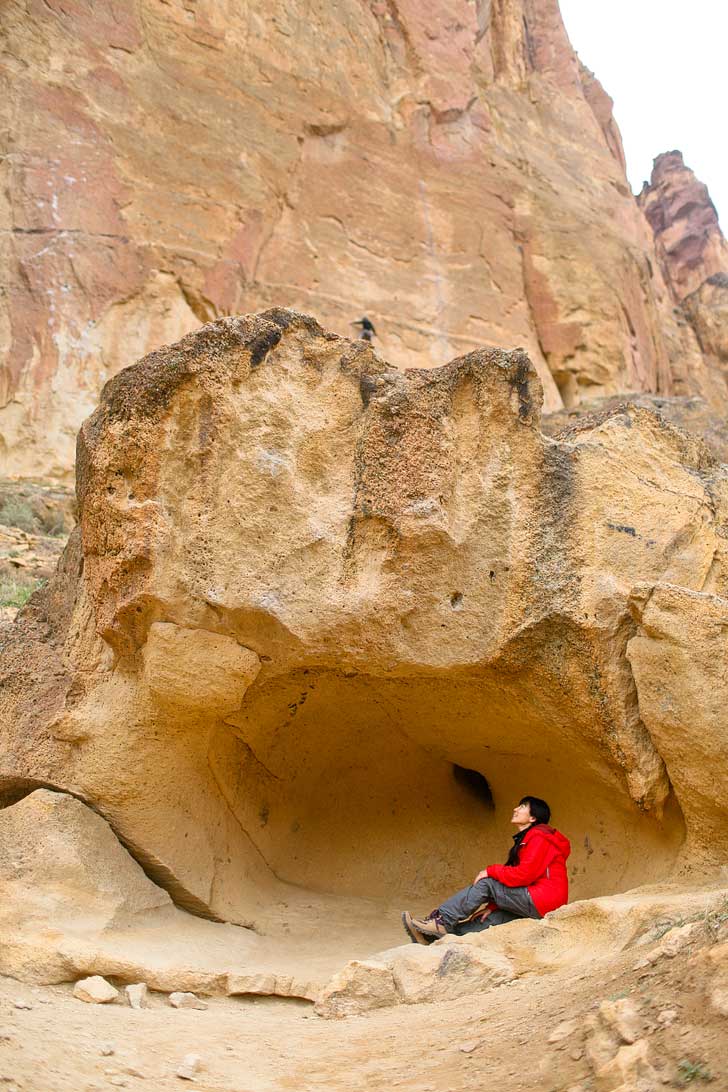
(531, 882)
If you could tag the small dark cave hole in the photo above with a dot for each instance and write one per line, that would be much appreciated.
(474, 783)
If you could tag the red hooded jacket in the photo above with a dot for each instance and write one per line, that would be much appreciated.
(541, 868)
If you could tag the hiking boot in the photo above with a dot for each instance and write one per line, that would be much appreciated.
(432, 927)
(412, 932)
(424, 929)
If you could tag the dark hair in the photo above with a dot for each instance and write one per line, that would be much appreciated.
(541, 813)
(539, 809)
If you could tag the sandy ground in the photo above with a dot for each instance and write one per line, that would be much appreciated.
(248, 1044)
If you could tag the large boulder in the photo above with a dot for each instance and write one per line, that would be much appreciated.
(412, 975)
(571, 940)
(75, 903)
(62, 870)
(323, 622)
(51, 840)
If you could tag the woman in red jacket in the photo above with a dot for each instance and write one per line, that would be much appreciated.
(531, 882)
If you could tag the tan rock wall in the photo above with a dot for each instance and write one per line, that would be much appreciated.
(707, 310)
(448, 170)
(679, 658)
(426, 583)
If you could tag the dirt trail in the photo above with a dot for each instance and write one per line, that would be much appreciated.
(495, 1039)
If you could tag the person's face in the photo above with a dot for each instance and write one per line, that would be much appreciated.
(521, 815)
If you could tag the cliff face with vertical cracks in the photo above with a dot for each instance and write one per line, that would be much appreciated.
(690, 244)
(694, 257)
(449, 169)
(322, 621)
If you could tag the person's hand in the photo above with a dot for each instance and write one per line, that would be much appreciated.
(481, 875)
(484, 915)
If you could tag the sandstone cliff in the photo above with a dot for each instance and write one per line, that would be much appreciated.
(449, 169)
(322, 620)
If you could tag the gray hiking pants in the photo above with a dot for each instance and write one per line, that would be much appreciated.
(512, 903)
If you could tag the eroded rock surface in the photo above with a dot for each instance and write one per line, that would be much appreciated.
(693, 414)
(693, 255)
(456, 174)
(62, 868)
(590, 933)
(308, 593)
(688, 237)
(413, 975)
(75, 903)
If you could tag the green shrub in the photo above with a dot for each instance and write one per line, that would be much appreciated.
(688, 1071)
(14, 593)
(17, 513)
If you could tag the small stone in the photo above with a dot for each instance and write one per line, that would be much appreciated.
(576, 1054)
(630, 1068)
(719, 1000)
(562, 1031)
(180, 1000)
(641, 964)
(22, 1005)
(119, 1082)
(191, 1064)
(667, 1017)
(106, 1050)
(468, 1048)
(134, 1071)
(95, 990)
(676, 939)
(136, 995)
(621, 1016)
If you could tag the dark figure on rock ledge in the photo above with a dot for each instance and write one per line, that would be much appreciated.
(367, 328)
(532, 882)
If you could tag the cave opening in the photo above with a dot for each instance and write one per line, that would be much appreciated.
(401, 789)
(331, 799)
(475, 783)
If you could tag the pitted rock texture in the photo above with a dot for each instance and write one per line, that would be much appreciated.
(455, 174)
(694, 415)
(308, 593)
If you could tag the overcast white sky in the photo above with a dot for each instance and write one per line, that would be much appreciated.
(664, 63)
